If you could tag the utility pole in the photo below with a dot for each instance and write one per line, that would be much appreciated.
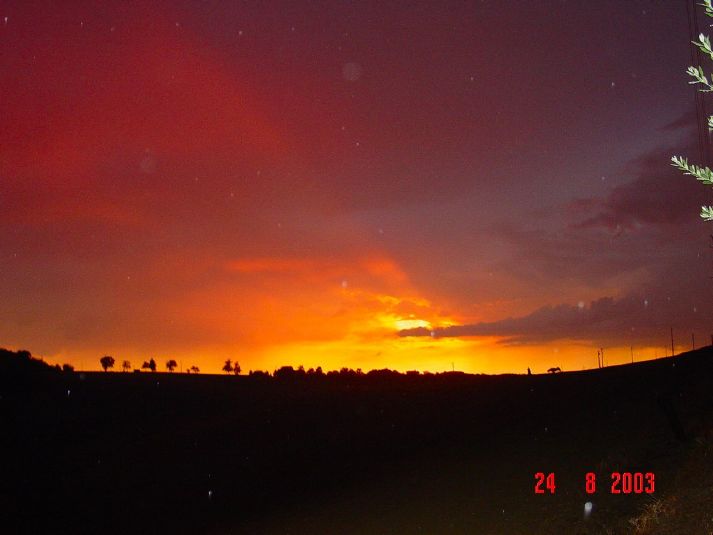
(632, 354)
(672, 351)
(693, 341)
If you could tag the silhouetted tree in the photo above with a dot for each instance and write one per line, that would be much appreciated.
(67, 368)
(146, 366)
(387, 373)
(228, 366)
(152, 365)
(171, 364)
(126, 365)
(315, 372)
(107, 362)
(348, 372)
(195, 369)
(236, 368)
(285, 372)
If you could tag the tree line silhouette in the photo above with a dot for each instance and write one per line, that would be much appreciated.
(24, 361)
(107, 362)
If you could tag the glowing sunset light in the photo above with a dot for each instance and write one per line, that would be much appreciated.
(411, 324)
(341, 190)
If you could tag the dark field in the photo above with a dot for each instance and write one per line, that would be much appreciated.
(451, 453)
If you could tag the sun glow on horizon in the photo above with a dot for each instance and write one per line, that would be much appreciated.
(404, 324)
(424, 353)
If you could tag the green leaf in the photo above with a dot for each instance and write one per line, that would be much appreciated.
(709, 8)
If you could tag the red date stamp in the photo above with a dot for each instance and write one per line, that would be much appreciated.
(620, 483)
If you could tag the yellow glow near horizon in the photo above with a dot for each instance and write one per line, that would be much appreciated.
(411, 324)
(423, 353)
(354, 325)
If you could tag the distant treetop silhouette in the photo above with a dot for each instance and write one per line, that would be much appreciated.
(107, 361)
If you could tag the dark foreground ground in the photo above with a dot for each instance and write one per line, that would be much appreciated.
(159, 453)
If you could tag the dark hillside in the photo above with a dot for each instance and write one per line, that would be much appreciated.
(447, 453)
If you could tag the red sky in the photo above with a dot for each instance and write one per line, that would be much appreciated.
(482, 185)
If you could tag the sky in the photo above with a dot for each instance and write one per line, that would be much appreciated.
(481, 186)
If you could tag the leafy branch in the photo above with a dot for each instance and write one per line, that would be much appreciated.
(702, 174)
(699, 77)
(704, 44)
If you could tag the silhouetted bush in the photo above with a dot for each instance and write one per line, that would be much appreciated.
(22, 361)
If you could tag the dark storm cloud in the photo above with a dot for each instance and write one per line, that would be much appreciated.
(658, 194)
(644, 234)
(636, 318)
(639, 225)
(549, 323)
